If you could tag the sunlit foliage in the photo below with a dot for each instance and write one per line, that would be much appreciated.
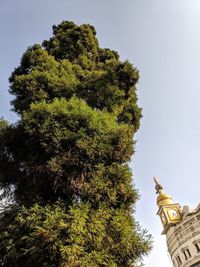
(64, 164)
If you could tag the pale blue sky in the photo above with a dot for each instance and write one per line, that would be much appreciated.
(162, 38)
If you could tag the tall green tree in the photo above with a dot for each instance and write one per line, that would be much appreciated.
(64, 164)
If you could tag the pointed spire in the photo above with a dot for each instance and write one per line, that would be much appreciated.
(163, 198)
(158, 187)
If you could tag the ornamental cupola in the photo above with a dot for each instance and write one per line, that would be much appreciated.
(168, 211)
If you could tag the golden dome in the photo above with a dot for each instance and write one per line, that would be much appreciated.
(163, 198)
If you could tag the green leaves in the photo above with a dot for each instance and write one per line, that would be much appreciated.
(73, 138)
(78, 236)
(43, 78)
(78, 113)
(70, 64)
(78, 44)
(90, 136)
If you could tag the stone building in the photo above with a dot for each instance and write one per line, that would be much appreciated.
(182, 229)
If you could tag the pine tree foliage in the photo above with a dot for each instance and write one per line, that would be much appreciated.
(64, 164)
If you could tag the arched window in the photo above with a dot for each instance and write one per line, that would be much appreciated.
(186, 253)
(178, 260)
(197, 246)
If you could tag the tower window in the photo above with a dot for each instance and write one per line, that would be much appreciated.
(178, 260)
(197, 246)
(186, 253)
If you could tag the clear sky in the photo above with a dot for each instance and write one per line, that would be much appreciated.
(162, 39)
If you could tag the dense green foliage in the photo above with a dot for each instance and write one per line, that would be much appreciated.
(64, 164)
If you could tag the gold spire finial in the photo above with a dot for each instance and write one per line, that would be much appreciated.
(158, 187)
(163, 198)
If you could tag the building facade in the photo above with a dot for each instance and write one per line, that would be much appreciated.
(182, 229)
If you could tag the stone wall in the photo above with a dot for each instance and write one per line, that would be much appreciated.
(183, 240)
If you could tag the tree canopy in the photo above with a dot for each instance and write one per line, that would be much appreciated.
(64, 163)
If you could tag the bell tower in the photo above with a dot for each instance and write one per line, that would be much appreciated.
(168, 211)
